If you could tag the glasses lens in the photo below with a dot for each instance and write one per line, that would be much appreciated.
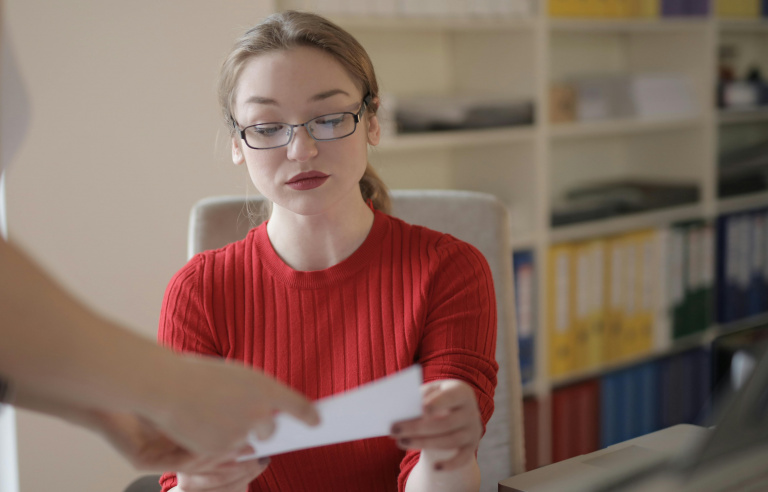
(332, 126)
(266, 135)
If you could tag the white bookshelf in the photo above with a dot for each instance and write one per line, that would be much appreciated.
(528, 167)
(677, 346)
(759, 26)
(742, 202)
(609, 128)
(456, 139)
(395, 23)
(592, 26)
(741, 117)
(623, 224)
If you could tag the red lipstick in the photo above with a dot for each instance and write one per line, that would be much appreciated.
(307, 181)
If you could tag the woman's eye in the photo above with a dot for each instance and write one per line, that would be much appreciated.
(267, 130)
(331, 120)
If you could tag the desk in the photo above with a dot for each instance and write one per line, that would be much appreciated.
(585, 471)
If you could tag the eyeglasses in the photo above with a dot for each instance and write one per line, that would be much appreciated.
(323, 128)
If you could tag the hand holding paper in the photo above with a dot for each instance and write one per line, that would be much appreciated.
(365, 412)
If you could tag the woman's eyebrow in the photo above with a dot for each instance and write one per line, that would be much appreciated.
(317, 97)
(261, 100)
(326, 94)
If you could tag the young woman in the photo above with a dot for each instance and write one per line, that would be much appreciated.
(331, 292)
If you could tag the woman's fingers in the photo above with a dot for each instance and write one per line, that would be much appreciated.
(453, 440)
(429, 426)
(451, 422)
(452, 394)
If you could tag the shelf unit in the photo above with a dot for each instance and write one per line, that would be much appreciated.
(528, 167)
(743, 117)
(456, 139)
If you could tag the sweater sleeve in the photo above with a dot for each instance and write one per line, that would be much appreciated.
(184, 325)
(184, 322)
(459, 335)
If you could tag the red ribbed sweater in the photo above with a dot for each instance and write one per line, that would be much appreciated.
(407, 294)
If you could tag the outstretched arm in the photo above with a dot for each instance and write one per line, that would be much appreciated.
(55, 347)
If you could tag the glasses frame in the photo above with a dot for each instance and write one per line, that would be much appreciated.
(357, 116)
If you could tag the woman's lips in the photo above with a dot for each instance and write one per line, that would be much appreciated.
(307, 181)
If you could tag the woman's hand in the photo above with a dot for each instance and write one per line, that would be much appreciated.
(450, 429)
(227, 477)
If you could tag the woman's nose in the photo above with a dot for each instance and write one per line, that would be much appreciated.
(302, 146)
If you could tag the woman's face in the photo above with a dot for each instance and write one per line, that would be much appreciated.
(306, 177)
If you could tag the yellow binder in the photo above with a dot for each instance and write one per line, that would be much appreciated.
(581, 284)
(631, 280)
(559, 309)
(648, 281)
(613, 298)
(648, 8)
(561, 8)
(596, 305)
(620, 9)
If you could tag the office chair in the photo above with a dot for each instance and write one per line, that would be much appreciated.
(147, 483)
(477, 218)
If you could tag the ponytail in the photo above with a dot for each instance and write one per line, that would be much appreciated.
(373, 188)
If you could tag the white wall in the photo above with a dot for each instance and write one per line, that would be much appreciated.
(122, 141)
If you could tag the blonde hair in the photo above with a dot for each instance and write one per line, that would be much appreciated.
(290, 29)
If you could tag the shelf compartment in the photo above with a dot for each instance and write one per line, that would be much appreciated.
(672, 347)
(456, 139)
(745, 202)
(609, 128)
(625, 223)
(676, 346)
(530, 389)
(591, 26)
(743, 25)
(403, 23)
(522, 240)
(741, 324)
(746, 116)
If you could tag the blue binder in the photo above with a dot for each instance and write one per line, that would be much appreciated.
(647, 375)
(611, 410)
(722, 314)
(522, 260)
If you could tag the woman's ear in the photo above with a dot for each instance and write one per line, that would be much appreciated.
(374, 130)
(237, 153)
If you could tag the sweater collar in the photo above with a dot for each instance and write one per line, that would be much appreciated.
(358, 260)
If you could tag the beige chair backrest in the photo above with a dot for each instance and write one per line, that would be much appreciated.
(477, 218)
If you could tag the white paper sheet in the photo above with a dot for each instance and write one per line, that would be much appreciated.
(367, 411)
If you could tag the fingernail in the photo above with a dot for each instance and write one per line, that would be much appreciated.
(405, 441)
(396, 429)
(439, 466)
(264, 461)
